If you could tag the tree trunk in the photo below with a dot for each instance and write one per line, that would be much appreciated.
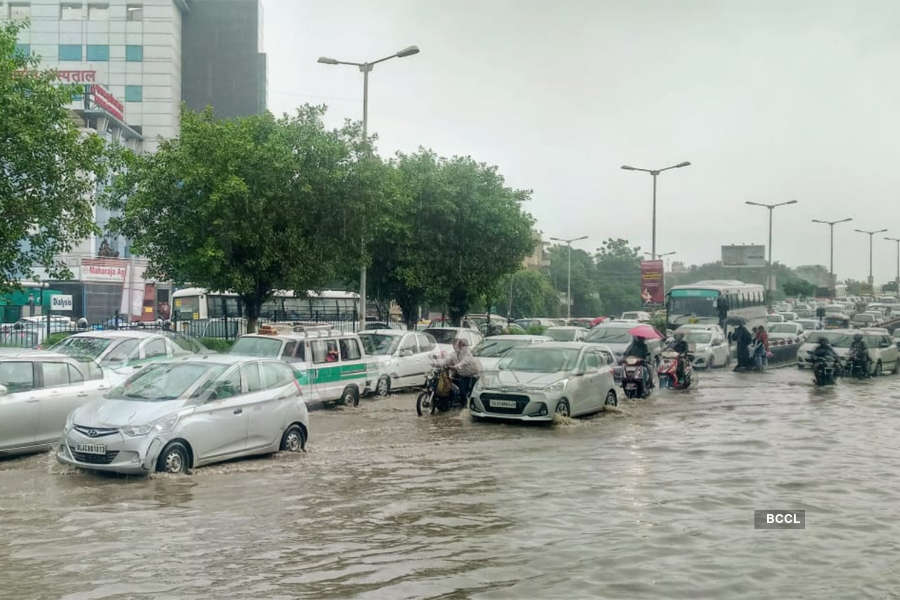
(253, 304)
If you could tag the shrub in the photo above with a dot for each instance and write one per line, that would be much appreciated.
(217, 344)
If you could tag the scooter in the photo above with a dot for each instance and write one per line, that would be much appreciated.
(633, 378)
(668, 371)
(825, 372)
(857, 366)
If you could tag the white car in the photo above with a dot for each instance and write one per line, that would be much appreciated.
(175, 415)
(775, 318)
(781, 334)
(788, 315)
(566, 334)
(38, 390)
(636, 315)
(865, 319)
(492, 349)
(810, 325)
(445, 336)
(401, 358)
(708, 347)
(614, 334)
(534, 383)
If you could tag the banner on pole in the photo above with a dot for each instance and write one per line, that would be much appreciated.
(652, 285)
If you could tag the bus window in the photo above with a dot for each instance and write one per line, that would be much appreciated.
(187, 308)
(218, 306)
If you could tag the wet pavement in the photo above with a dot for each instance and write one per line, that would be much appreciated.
(652, 500)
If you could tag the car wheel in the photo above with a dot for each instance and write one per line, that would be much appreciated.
(879, 370)
(562, 408)
(174, 458)
(383, 387)
(611, 399)
(294, 439)
(350, 396)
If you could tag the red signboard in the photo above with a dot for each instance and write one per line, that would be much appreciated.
(652, 286)
(107, 102)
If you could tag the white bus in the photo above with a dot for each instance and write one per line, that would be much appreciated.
(199, 304)
(700, 303)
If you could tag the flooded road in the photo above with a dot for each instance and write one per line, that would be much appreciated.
(654, 500)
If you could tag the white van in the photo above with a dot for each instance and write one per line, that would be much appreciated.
(329, 365)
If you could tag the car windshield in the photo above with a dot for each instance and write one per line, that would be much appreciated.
(698, 337)
(610, 335)
(122, 351)
(783, 328)
(442, 336)
(257, 346)
(541, 360)
(494, 348)
(561, 335)
(379, 343)
(161, 382)
(835, 338)
(82, 346)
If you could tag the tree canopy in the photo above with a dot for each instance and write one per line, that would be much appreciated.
(50, 169)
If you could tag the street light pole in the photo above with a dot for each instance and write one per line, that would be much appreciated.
(365, 68)
(655, 173)
(569, 279)
(831, 225)
(771, 208)
(896, 279)
(870, 234)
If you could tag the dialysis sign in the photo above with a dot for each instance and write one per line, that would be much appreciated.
(652, 288)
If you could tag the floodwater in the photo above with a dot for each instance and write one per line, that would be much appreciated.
(653, 500)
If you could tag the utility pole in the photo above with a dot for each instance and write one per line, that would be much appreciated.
(655, 173)
(769, 284)
(870, 234)
(831, 225)
(569, 279)
(897, 278)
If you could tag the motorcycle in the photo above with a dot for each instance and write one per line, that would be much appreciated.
(857, 366)
(440, 394)
(633, 378)
(825, 371)
(668, 370)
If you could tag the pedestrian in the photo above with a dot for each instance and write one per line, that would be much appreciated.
(762, 339)
(743, 339)
(722, 307)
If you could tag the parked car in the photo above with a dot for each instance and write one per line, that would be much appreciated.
(38, 390)
(810, 325)
(708, 347)
(566, 334)
(614, 334)
(491, 350)
(836, 321)
(636, 315)
(775, 318)
(786, 333)
(400, 359)
(534, 383)
(788, 315)
(176, 415)
(445, 336)
(864, 319)
(329, 365)
(121, 352)
(883, 352)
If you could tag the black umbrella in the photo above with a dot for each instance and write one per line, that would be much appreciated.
(736, 321)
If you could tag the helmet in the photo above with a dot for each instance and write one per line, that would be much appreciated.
(823, 341)
(857, 337)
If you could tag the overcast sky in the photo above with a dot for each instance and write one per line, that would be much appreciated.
(770, 101)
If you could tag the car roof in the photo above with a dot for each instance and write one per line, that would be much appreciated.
(117, 333)
(220, 359)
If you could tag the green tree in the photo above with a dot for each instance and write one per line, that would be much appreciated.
(798, 287)
(50, 169)
(528, 294)
(251, 204)
(619, 276)
(585, 290)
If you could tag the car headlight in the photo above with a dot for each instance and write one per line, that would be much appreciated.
(557, 386)
(163, 424)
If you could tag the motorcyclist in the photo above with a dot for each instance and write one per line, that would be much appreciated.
(638, 349)
(859, 351)
(465, 367)
(680, 346)
(824, 351)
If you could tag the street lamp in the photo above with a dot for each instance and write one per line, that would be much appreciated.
(870, 234)
(897, 279)
(569, 280)
(831, 225)
(654, 173)
(771, 208)
(365, 68)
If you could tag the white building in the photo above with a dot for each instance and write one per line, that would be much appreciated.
(131, 49)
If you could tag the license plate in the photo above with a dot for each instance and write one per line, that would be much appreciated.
(630, 386)
(90, 448)
(503, 404)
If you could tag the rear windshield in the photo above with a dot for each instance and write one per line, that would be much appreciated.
(494, 348)
(91, 347)
(609, 335)
(257, 346)
(561, 335)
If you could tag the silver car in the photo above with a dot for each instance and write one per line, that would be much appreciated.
(174, 415)
(37, 391)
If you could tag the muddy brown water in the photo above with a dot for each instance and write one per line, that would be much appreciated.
(653, 500)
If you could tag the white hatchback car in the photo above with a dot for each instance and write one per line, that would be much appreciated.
(401, 358)
(708, 347)
(534, 383)
(174, 415)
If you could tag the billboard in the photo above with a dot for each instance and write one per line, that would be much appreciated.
(652, 286)
(751, 255)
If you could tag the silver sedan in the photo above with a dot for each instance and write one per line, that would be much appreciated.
(175, 415)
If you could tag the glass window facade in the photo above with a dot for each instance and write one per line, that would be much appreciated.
(70, 52)
(134, 93)
(134, 12)
(98, 53)
(134, 53)
(19, 10)
(98, 12)
(70, 11)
